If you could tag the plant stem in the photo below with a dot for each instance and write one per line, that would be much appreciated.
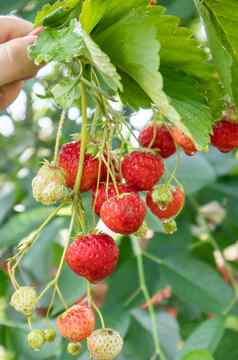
(56, 278)
(144, 289)
(58, 136)
(84, 137)
(92, 303)
(28, 244)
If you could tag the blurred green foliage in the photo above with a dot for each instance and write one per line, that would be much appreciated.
(188, 265)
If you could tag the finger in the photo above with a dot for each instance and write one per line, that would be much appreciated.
(14, 61)
(9, 93)
(13, 27)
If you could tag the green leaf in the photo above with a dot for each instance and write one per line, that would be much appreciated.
(139, 66)
(228, 345)
(206, 336)
(195, 282)
(179, 49)
(226, 14)
(66, 93)
(59, 45)
(133, 95)
(101, 62)
(114, 12)
(120, 41)
(189, 99)
(168, 330)
(198, 355)
(48, 9)
(221, 57)
(221, 21)
(19, 226)
(92, 12)
(138, 342)
(63, 46)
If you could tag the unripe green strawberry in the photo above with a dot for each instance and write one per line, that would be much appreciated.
(74, 349)
(36, 339)
(24, 300)
(49, 334)
(170, 226)
(104, 344)
(49, 185)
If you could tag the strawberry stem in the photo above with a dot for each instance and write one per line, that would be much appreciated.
(140, 265)
(92, 303)
(84, 138)
(58, 137)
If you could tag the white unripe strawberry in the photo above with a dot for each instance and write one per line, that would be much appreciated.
(48, 186)
(24, 300)
(104, 344)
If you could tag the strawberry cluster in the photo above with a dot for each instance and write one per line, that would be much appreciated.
(123, 186)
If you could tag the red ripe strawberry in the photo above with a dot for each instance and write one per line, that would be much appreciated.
(104, 193)
(69, 159)
(77, 323)
(142, 170)
(93, 256)
(158, 137)
(225, 135)
(172, 209)
(123, 214)
(184, 141)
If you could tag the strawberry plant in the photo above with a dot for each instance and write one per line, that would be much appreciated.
(123, 247)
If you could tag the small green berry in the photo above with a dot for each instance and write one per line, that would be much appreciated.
(36, 339)
(24, 300)
(170, 226)
(74, 349)
(49, 334)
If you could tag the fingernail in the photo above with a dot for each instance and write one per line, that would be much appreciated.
(37, 30)
(30, 39)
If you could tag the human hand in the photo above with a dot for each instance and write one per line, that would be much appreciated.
(15, 66)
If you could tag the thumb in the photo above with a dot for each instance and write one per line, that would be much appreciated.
(14, 61)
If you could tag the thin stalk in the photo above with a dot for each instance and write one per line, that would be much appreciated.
(58, 136)
(84, 137)
(55, 280)
(144, 289)
(92, 303)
